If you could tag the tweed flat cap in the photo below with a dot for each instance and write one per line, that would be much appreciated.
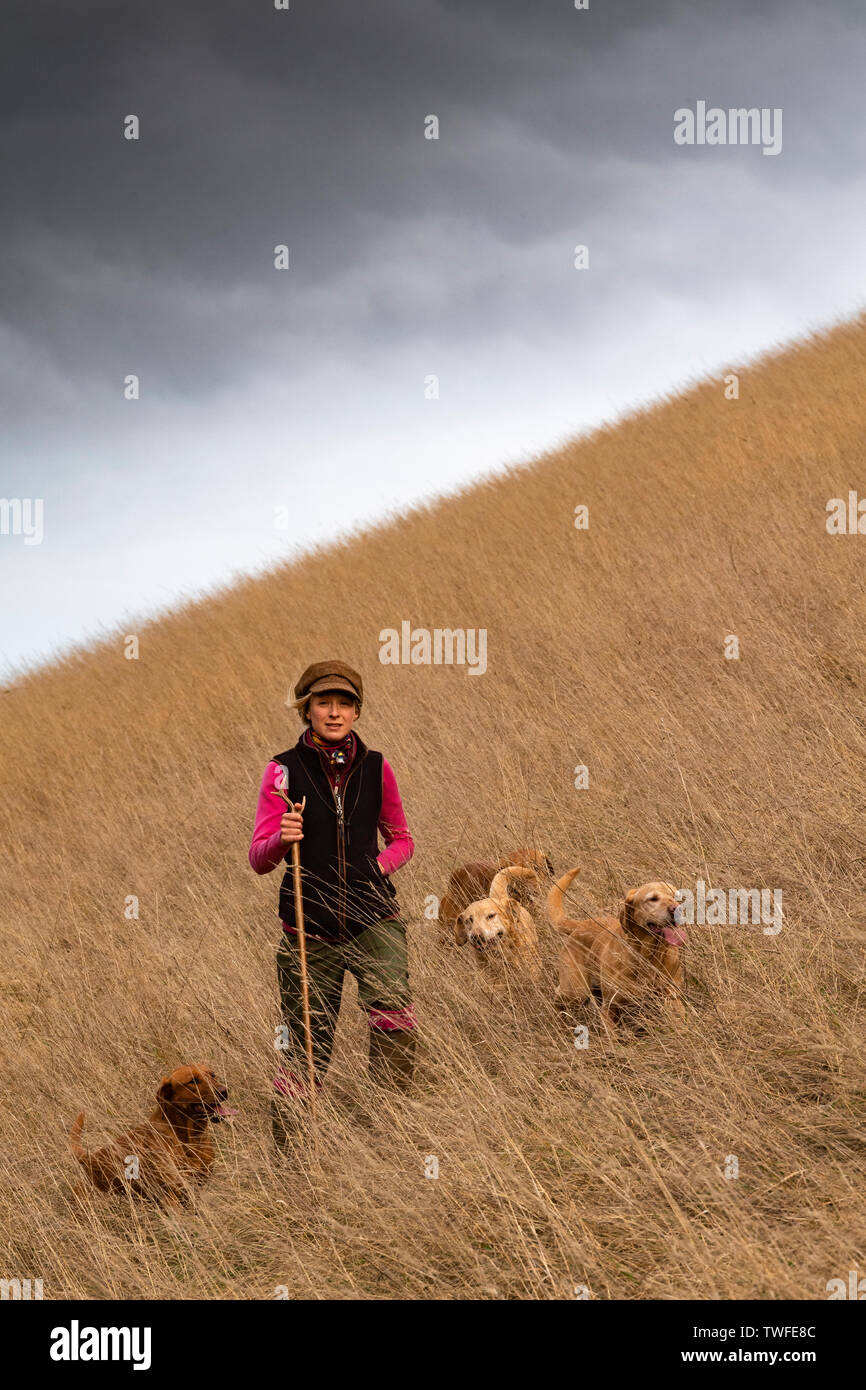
(329, 675)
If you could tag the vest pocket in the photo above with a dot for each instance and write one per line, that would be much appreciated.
(374, 880)
(383, 880)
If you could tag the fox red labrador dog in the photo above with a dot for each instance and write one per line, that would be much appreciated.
(170, 1151)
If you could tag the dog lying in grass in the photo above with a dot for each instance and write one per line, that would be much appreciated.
(623, 961)
(501, 932)
(471, 882)
(170, 1151)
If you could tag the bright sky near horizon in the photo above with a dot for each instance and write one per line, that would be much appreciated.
(301, 392)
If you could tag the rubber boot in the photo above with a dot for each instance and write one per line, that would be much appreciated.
(290, 1113)
(289, 1121)
(392, 1057)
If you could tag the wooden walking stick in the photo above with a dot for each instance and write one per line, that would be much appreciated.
(305, 982)
(302, 955)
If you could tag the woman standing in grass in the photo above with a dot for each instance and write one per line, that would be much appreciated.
(351, 917)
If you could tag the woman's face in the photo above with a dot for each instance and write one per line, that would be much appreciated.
(332, 714)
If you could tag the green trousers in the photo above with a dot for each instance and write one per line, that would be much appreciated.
(377, 958)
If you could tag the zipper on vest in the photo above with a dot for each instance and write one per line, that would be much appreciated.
(341, 843)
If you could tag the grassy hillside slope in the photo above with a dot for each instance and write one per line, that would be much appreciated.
(558, 1167)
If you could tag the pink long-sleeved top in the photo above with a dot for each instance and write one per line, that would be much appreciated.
(266, 852)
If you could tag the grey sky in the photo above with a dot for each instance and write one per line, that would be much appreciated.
(408, 257)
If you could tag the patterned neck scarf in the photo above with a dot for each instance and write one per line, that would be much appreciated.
(336, 756)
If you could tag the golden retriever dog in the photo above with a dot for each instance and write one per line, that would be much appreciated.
(163, 1155)
(501, 932)
(471, 882)
(622, 961)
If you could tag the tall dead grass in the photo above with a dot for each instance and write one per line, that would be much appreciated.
(558, 1167)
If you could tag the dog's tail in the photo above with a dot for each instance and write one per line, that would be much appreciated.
(555, 913)
(75, 1148)
(89, 1162)
(499, 886)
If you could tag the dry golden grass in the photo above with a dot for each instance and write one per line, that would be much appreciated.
(558, 1167)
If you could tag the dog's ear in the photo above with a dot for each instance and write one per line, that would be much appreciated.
(626, 916)
(165, 1094)
(461, 933)
(510, 912)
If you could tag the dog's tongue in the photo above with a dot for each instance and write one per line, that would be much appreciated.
(674, 936)
(225, 1112)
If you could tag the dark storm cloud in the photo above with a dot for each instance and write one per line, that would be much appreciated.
(409, 257)
(260, 127)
